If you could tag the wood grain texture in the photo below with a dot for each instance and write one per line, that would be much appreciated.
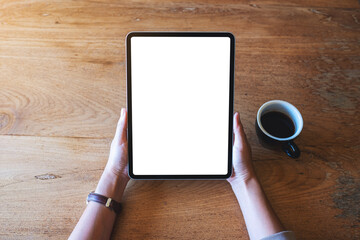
(62, 84)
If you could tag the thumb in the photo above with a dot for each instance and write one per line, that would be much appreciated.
(236, 129)
(121, 129)
(240, 137)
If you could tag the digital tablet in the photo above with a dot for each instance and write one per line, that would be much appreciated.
(180, 104)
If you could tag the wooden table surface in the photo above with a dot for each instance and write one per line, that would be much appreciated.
(62, 84)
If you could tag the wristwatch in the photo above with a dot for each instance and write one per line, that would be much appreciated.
(107, 202)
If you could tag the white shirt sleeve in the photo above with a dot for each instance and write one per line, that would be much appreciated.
(284, 235)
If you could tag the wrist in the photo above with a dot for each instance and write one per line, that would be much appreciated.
(112, 185)
(242, 177)
(245, 188)
(118, 175)
(241, 184)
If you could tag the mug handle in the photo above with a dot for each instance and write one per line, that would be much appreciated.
(291, 149)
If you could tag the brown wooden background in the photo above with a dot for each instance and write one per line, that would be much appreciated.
(62, 84)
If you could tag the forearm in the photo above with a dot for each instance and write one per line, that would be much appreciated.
(260, 218)
(97, 220)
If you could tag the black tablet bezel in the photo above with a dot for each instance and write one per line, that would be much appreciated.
(129, 106)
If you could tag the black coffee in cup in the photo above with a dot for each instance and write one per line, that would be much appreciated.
(278, 124)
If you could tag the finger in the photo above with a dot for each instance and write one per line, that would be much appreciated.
(121, 129)
(233, 138)
(236, 129)
(242, 132)
(240, 137)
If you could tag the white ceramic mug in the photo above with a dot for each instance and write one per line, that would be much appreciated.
(269, 140)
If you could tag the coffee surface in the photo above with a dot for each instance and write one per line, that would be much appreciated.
(278, 124)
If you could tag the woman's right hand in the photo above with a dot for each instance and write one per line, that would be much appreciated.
(242, 165)
(261, 220)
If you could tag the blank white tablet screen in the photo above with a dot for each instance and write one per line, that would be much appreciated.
(180, 105)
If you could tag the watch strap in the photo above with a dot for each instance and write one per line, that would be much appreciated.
(107, 202)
